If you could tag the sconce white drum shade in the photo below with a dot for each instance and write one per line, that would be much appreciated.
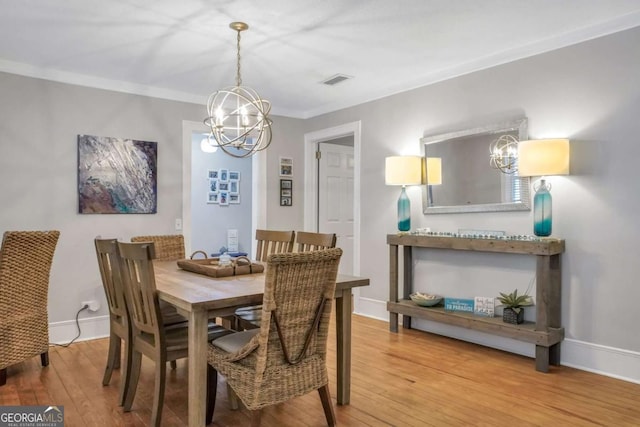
(434, 170)
(542, 157)
(403, 170)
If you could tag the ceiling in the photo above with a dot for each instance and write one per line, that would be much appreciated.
(184, 50)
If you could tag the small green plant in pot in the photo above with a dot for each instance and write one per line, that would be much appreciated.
(514, 306)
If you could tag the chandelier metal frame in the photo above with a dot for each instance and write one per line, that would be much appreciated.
(237, 117)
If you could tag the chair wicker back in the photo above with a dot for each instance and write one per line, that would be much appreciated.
(307, 241)
(165, 247)
(25, 266)
(273, 242)
(286, 357)
(119, 328)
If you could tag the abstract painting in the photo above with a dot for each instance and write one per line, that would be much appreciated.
(117, 176)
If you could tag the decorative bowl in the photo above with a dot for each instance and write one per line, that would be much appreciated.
(425, 300)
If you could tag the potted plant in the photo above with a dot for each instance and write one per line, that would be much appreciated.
(514, 306)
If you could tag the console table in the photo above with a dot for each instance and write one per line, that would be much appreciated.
(546, 332)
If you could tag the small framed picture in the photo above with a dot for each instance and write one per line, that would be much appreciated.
(223, 186)
(212, 198)
(286, 166)
(213, 185)
(223, 175)
(213, 174)
(285, 201)
(286, 192)
(233, 187)
(234, 199)
(234, 176)
(223, 198)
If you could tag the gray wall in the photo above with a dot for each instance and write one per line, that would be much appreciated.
(589, 93)
(39, 124)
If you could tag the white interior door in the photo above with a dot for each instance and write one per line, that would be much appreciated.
(335, 198)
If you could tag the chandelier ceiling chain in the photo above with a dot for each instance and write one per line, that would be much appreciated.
(237, 116)
(238, 75)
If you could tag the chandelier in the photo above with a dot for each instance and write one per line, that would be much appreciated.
(237, 116)
(503, 154)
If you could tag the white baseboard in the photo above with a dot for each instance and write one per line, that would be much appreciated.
(90, 328)
(600, 359)
(609, 361)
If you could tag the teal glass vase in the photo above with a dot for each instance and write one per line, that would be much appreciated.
(404, 211)
(542, 210)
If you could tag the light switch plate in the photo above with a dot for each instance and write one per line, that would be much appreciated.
(232, 240)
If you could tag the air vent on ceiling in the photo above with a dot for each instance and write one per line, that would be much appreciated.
(334, 80)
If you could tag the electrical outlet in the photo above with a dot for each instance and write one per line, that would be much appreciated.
(178, 223)
(92, 304)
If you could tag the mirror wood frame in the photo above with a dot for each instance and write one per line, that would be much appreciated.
(516, 126)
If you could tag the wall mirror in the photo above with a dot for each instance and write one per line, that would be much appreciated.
(459, 177)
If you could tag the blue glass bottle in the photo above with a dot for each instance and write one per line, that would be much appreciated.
(404, 211)
(542, 210)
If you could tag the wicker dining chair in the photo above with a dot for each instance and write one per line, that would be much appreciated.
(249, 317)
(25, 266)
(149, 337)
(286, 356)
(167, 247)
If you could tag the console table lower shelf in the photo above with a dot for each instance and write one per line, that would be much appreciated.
(545, 340)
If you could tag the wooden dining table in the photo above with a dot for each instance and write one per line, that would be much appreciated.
(200, 298)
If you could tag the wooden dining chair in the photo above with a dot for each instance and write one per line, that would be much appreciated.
(168, 247)
(119, 322)
(269, 242)
(273, 242)
(149, 336)
(286, 356)
(307, 241)
(25, 266)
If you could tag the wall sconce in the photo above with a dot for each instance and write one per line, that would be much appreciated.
(543, 157)
(403, 170)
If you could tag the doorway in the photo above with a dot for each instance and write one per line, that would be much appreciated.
(335, 195)
(258, 186)
(312, 196)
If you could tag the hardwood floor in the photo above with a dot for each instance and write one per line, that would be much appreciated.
(407, 379)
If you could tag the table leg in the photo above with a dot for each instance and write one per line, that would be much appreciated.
(343, 344)
(197, 367)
